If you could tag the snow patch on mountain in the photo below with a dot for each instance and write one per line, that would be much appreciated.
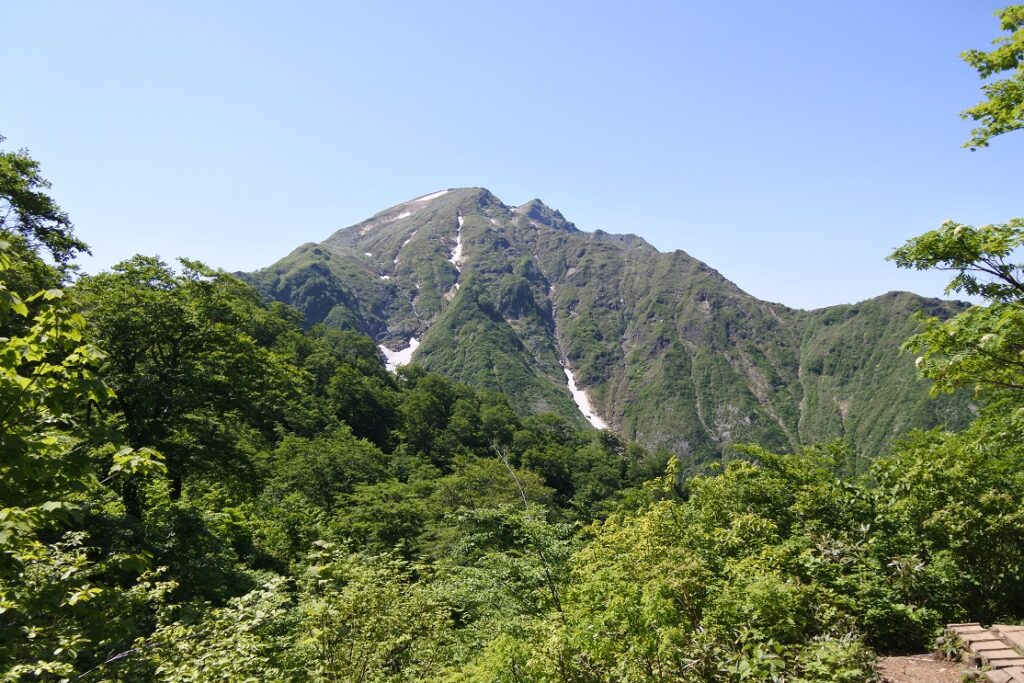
(582, 400)
(428, 197)
(396, 359)
(373, 223)
(456, 257)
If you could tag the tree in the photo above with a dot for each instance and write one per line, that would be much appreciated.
(190, 356)
(981, 347)
(48, 382)
(25, 210)
(57, 609)
(1003, 110)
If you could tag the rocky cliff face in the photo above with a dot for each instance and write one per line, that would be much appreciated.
(659, 347)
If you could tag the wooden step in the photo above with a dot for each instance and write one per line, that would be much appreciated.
(999, 649)
(987, 637)
(1000, 654)
(1013, 635)
(988, 646)
(997, 676)
(1005, 662)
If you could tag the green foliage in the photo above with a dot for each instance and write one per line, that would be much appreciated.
(439, 535)
(951, 513)
(1003, 109)
(59, 612)
(778, 567)
(978, 256)
(367, 619)
(27, 211)
(190, 357)
(58, 609)
(249, 639)
(324, 468)
(47, 383)
(692, 592)
(982, 346)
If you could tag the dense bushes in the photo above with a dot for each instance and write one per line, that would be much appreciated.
(294, 533)
(777, 565)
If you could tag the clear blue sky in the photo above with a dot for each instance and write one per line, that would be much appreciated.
(791, 145)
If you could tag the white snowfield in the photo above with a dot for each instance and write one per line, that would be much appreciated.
(395, 359)
(456, 257)
(428, 197)
(381, 221)
(399, 216)
(583, 401)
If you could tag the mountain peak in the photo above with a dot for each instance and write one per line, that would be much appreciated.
(664, 348)
(537, 211)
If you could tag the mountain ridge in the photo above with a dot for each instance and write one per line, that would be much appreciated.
(667, 350)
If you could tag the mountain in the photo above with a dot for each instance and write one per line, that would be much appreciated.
(664, 348)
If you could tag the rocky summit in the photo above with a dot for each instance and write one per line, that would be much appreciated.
(605, 329)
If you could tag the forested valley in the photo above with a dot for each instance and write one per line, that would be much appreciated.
(197, 485)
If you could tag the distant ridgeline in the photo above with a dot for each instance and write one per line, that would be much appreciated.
(658, 347)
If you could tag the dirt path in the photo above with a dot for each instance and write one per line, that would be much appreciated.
(918, 669)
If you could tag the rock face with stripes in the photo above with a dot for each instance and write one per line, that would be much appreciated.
(606, 330)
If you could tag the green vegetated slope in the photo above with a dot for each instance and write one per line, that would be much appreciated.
(670, 352)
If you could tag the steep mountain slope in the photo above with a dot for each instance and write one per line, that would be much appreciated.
(665, 349)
